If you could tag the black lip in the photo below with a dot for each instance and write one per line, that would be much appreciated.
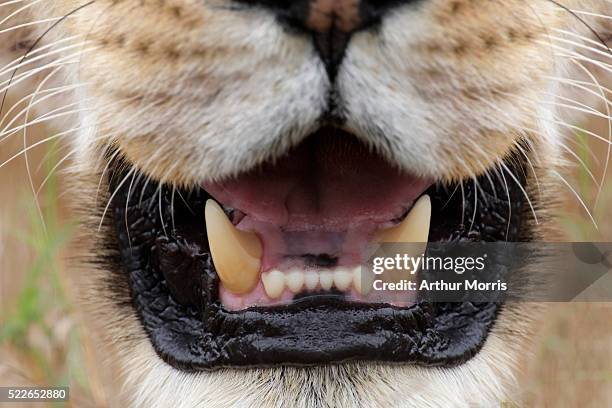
(174, 290)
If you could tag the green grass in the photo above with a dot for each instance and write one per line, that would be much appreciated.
(43, 291)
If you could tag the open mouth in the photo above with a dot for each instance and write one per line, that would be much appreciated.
(265, 268)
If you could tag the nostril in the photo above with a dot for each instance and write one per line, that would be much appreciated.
(332, 23)
(325, 16)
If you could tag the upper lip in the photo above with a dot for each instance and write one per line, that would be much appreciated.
(190, 329)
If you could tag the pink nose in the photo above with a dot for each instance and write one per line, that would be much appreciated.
(332, 23)
(327, 15)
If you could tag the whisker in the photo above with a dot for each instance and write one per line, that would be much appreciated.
(531, 167)
(462, 203)
(582, 21)
(609, 147)
(127, 202)
(34, 55)
(37, 41)
(582, 46)
(10, 2)
(161, 210)
(582, 163)
(43, 119)
(34, 145)
(25, 153)
(583, 86)
(104, 170)
(580, 129)
(518, 183)
(19, 10)
(577, 197)
(29, 24)
(35, 71)
(475, 206)
(597, 44)
(570, 54)
(9, 129)
(18, 63)
(172, 207)
(129, 173)
(500, 172)
(54, 169)
(61, 112)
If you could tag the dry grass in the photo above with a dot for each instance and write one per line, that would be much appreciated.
(572, 365)
(42, 340)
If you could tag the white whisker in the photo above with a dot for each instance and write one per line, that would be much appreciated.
(16, 117)
(25, 145)
(577, 197)
(54, 169)
(113, 196)
(29, 24)
(609, 147)
(19, 10)
(33, 56)
(34, 145)
(518, 183)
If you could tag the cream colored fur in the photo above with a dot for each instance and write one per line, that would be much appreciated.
(191, 91)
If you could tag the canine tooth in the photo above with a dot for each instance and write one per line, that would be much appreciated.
(311, 279)
(295, 280)
(236, 254)
(274, 283)
(326, 278)
(414, 228)
(342, 279)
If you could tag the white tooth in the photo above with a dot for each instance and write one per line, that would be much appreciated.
(274, 283)
(357, 279)
(414, 228)
(311, 278)
(326, 278)
(236, 254)
(295, 280)
(362, 280)
(342, 279)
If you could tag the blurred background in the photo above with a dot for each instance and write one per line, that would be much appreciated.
(43, 340)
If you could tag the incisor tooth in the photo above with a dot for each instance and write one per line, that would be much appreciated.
(414, 228)
(326, 278)
(342, 279)
(295, 280)
(236, 254)
(311, 279)
(274, 283)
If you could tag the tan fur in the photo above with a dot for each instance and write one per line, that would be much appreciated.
(191, 91)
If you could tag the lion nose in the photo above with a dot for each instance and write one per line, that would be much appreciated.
(330, 22)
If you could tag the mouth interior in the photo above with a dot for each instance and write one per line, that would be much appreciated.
(315, 211)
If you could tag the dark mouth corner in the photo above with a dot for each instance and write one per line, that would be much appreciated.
(160, 237)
